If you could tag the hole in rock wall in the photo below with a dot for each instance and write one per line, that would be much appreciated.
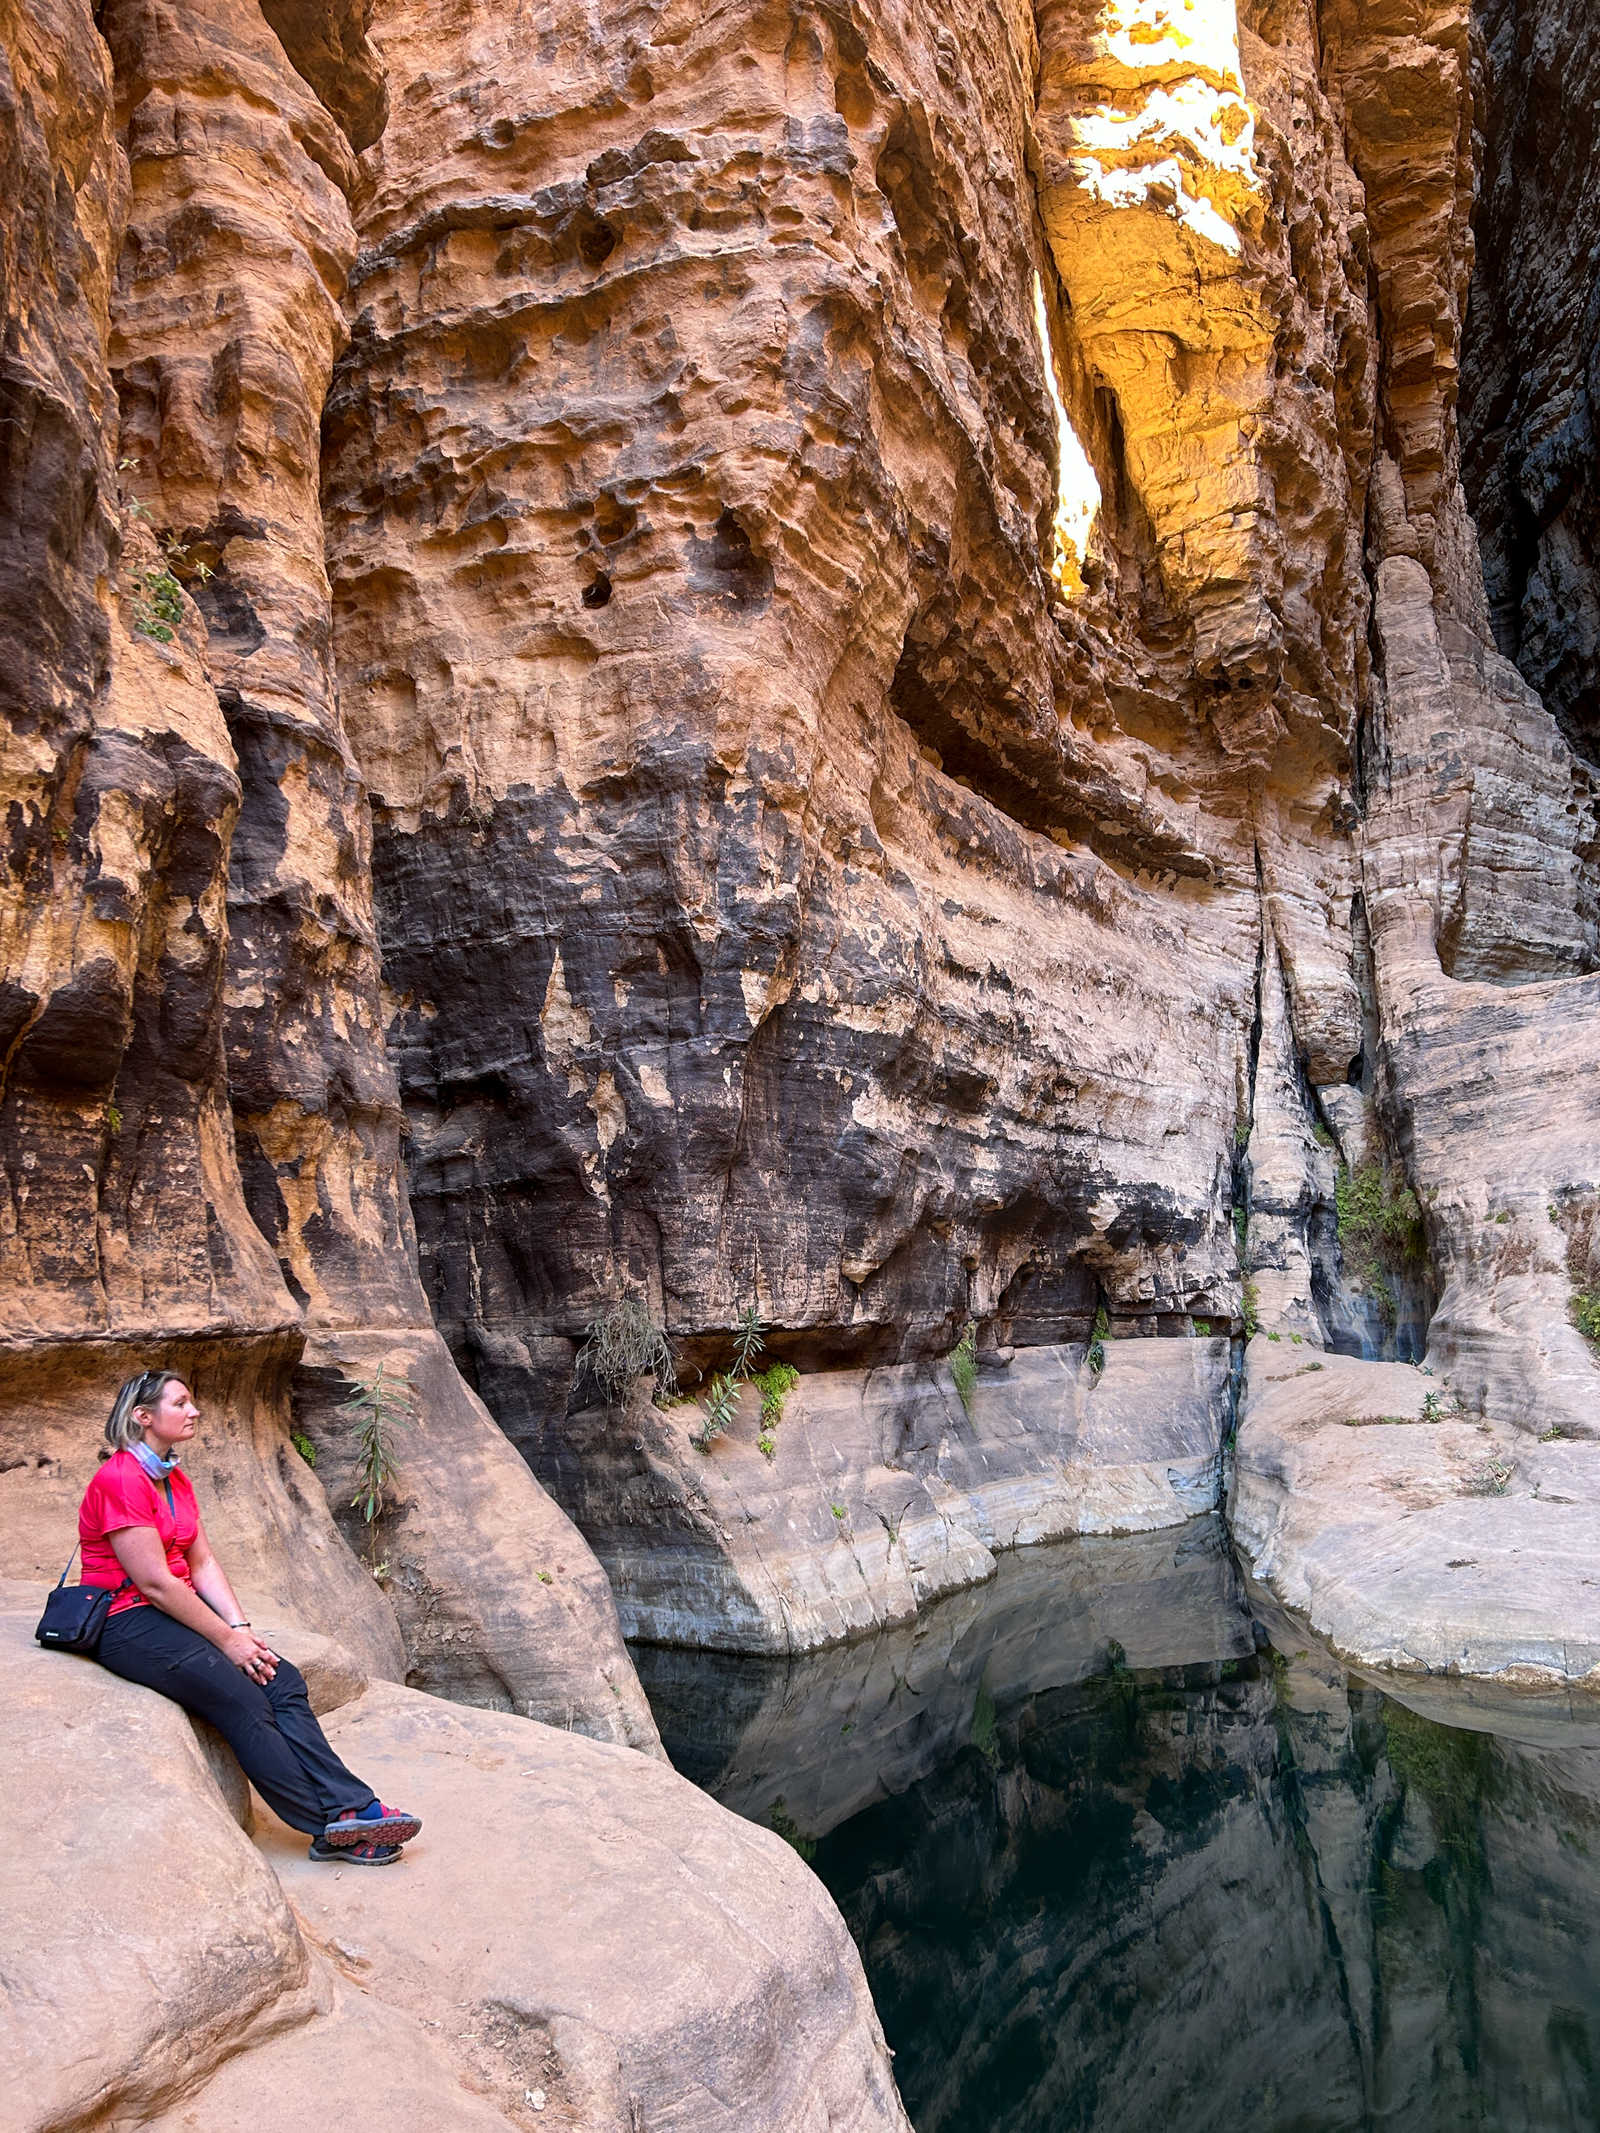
(1077, 487)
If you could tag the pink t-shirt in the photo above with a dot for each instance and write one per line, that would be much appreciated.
(122, 1494)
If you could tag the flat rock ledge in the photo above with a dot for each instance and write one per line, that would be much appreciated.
(579, 1939)
(880, 1490)
(1460, 1557)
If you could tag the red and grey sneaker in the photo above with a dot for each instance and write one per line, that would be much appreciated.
(355, 1854)
(377, 1824)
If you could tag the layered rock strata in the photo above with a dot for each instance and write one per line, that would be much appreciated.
(1530, 387)
(195, 1065)
(801, 875)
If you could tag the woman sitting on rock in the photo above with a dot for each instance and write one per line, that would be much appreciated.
(176, 1627)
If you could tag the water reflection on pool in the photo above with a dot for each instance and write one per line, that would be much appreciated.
(1117, 1862)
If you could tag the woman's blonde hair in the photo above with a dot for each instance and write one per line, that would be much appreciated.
(142, 1391)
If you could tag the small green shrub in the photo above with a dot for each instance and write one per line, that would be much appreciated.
(157, 604)
(1381, 1232)
(1099, 1334)
(767, 1445)
(722, 1402)
(1241, 1134)
(1493, 1478)
(1432, 1407)
(775, 1384)
(1202, 1328)
(544, 1577)
(625, 1343)
(304, 1446)
(1321, 1135)
(747, 1341)
(1586, 1314)
(114, 1118)
(964, 1364)
(838, 1511)
(783, 1825)
(1250, 1300)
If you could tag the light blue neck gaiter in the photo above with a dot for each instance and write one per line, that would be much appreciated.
(154, 1465)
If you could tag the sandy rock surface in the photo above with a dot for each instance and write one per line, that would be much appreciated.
(1417, 1539)
(200, 1958)
(638, 1958)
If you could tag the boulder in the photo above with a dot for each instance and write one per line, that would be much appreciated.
(580, 1938)
(146, 1939)
(579, 1920)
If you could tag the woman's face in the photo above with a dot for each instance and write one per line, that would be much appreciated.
(172, 1419)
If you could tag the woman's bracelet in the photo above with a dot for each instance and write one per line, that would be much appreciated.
(238, 1625)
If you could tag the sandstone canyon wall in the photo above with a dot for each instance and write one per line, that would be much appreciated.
(805, 663)
(906, 674)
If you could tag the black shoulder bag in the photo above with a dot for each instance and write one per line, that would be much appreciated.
(74, 1615)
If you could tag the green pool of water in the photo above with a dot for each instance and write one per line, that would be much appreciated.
(1120, 1856)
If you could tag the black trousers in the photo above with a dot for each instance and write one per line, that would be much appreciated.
(270, 1726)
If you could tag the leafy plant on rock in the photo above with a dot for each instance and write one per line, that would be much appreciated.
(747, 1342)
(1493, 1478)
(775, 1384)
(1381, 1234)
(376, 1406)
(1099, 1334)
(722, 1402)
(964, 1364)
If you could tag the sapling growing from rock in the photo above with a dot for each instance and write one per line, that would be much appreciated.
(1099, 1334)
(376, 1405)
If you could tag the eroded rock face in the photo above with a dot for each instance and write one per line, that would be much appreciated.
(1406, 1531)
(1530, 388)
(201, 1128)
(655, 1962)
(876, 1493)
(634, 710)
(679, 472)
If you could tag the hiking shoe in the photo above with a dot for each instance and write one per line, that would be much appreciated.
(377, 1824)
(354, 1854)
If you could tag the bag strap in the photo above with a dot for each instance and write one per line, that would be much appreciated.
(127, 1584)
